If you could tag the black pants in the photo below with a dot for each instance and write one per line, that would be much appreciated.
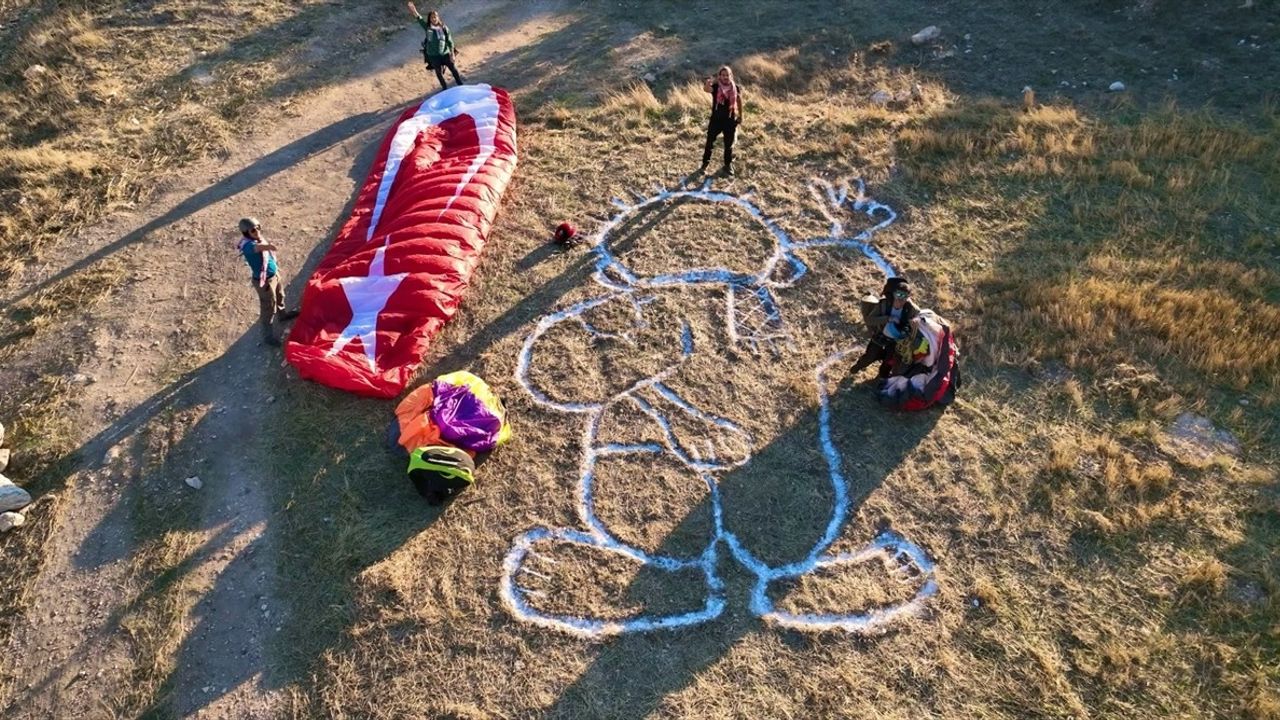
(439, 64)
(717, 126)
(877, 350)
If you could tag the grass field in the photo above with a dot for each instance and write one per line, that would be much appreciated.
(1109, 262)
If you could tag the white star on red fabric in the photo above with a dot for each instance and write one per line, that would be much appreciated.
(367, 296)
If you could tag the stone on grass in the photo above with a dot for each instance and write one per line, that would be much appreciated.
(11, 520)
(12, 497)
(933, 32)
(194, 482)
(1194, 439)
(4, 458)
(1116, 86)
(880, 97)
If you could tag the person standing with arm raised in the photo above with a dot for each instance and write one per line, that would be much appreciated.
(726, 115)
(261, 258)
(437, 49)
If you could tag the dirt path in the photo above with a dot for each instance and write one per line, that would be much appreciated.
(176, 356)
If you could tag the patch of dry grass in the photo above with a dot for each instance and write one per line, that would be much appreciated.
(97, 101)
(1084, 572)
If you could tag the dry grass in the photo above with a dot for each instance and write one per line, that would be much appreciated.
(1113, 243)
(97, 101)
(1096, 561)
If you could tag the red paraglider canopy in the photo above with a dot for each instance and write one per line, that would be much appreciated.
(400, 265)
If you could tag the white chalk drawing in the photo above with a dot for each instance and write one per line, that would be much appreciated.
(754, 320)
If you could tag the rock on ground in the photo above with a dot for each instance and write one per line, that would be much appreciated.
(4, 458)
(11, 520)
(1193, 438)
(12, 497)
(933, 32)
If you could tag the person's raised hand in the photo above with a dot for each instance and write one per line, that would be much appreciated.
(413, 9)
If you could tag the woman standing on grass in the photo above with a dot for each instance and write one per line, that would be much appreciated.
(437, 49)
(726, 114)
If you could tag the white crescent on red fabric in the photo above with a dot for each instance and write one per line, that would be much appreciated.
(397, 270)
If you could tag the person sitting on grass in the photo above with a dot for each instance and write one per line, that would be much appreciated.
(261, 257)
(726, 115)
(925, 367)
(437, 49)
(889, 321)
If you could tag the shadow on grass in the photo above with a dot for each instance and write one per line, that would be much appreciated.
(260, 170)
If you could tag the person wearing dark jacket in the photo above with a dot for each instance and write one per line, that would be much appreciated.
(888, 321)
(726, 115)
(437, 49)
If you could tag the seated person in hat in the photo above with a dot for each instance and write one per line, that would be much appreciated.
(888, 322)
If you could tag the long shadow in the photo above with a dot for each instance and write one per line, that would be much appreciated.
(779, 514)
(156, 502)
(261, 169)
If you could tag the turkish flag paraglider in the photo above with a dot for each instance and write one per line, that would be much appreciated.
(398, 268)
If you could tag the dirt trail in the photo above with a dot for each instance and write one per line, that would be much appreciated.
(187, 300)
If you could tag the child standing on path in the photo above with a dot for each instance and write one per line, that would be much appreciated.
(726, 115)
(261, 257)
(437, 49)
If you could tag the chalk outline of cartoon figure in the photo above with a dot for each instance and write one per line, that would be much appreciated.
(903, 559)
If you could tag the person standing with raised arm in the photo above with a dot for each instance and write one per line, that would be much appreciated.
(261, 258)
(438, 50)
(726, 115)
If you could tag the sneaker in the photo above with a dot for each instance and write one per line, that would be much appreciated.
(727, 171)
(285, 315)
(272, 340)
(702, 169)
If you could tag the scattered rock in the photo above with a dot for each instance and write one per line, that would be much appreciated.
(880, 97)
(11, 520)
(111, 454)
(83, 379)
(12, 497)
(1245, 592)
(1, 434)
(202, 77)
(1116, 86)
(933, 32)
(194, 482)
(1193, 438)
(34, 71)
(4, 458)
(649, 78)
